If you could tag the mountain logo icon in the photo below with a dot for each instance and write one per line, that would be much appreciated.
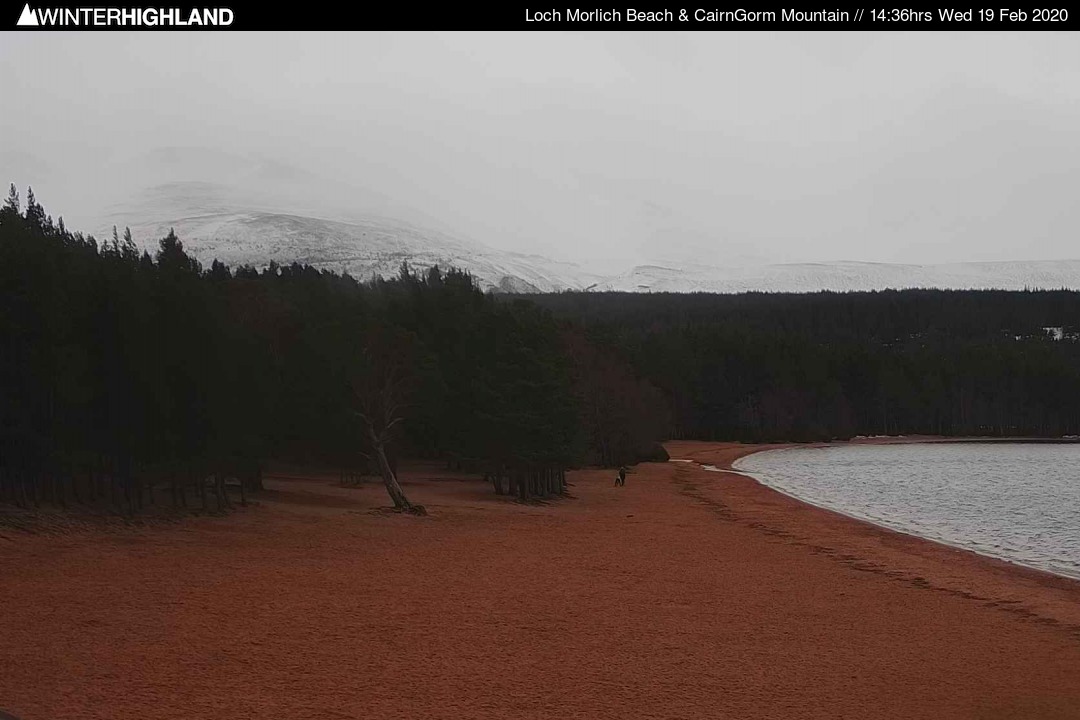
(28, 18)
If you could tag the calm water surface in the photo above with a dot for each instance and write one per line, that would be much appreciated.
(1017, 501)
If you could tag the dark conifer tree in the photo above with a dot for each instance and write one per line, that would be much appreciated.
(11, 204)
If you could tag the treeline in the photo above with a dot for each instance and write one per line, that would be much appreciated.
(128, 378)
(821, 366)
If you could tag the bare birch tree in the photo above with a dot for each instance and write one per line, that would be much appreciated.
(381, 387)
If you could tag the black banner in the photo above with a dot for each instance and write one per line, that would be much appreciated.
(476, 16)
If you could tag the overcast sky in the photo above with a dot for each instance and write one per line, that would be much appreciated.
(606, 149)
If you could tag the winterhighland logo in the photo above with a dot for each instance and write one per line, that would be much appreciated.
(124, 17)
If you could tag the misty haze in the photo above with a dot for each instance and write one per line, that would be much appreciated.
(551, 161)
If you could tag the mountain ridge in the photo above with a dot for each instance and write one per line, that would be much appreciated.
(216, 222)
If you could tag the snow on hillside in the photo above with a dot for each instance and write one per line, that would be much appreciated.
(213, 224)
(220, 222)
(846, 276)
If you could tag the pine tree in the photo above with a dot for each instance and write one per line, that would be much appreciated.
(128, 249)
(12, 203)
(35, 214)
(172, 258)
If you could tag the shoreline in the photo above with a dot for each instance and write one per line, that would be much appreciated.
(725, 457)
(733, 467)
(687, 593)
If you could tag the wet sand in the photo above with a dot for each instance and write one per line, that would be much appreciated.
(686, 594)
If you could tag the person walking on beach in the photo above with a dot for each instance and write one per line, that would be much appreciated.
(620, 479)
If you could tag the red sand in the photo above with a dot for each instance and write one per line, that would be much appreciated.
(685, 594)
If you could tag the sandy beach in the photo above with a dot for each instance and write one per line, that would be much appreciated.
(685, 594)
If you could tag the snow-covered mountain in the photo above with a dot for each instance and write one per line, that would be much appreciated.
(843, 276)
(213, 222)
(238, 227)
